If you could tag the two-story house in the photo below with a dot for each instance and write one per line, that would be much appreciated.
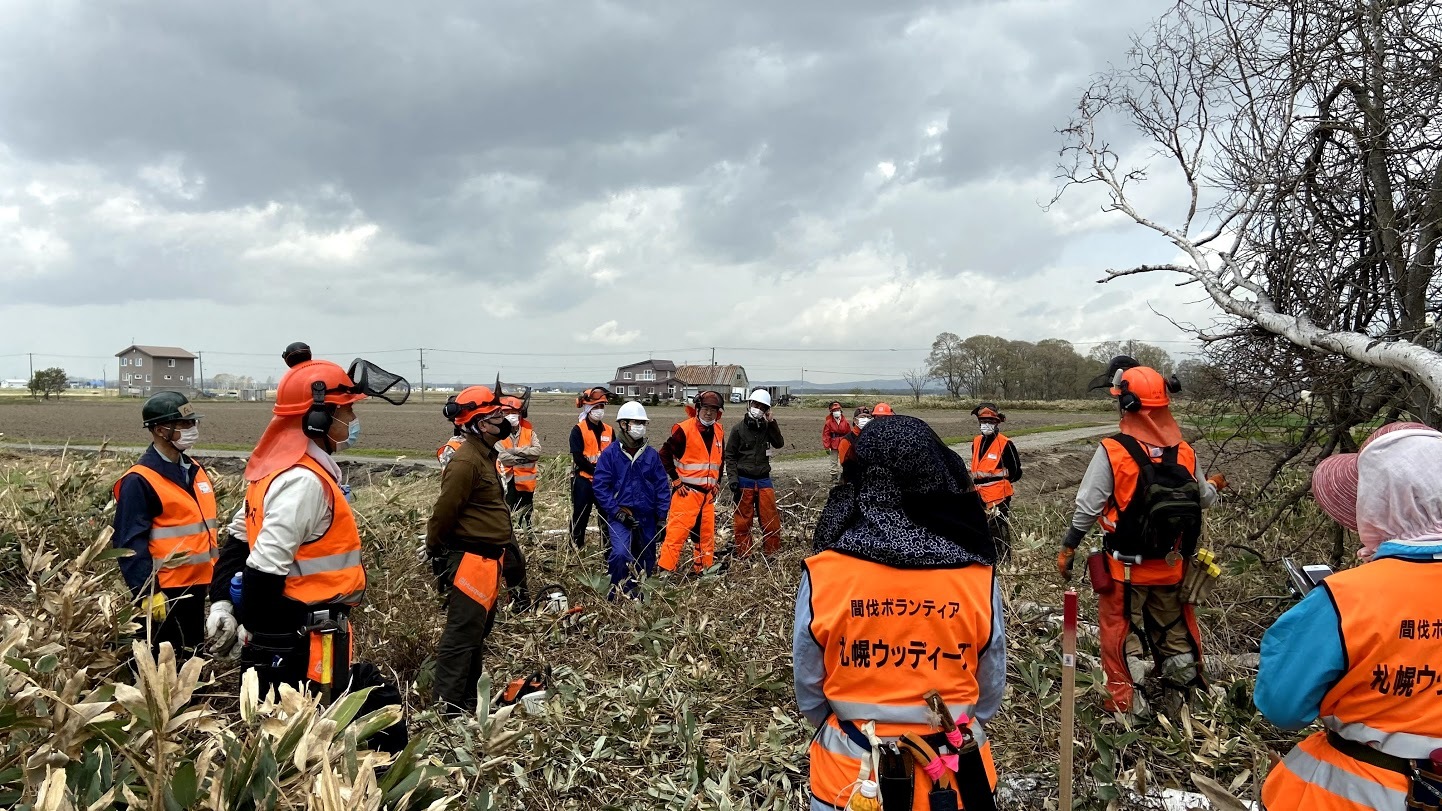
(645, 379)
(145, 370)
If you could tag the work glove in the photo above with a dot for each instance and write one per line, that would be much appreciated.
(221, 626)
(1065, 560)
(1218, 480)
(155, 604)
(627, 519)
(1066, 557)
(736, 492)
(242, 638)
(440, 562)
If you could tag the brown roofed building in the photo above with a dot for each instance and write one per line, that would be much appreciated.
(145, 370)
(728, 380)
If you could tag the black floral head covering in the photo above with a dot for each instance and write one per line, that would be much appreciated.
(907, 502)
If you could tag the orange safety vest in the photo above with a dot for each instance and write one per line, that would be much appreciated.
(1124, 486)
(1001, 489)
(446, 451)
(843, 447)
(699, 467)
(525, 475)
(1387, 699)
(182, 536)
(327, 569)
(887, 637)
(590, 448)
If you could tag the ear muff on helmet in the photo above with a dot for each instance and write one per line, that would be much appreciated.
(1173, 384)
(1127, 400)
(321, 414)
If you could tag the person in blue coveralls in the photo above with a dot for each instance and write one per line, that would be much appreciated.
(634, 495)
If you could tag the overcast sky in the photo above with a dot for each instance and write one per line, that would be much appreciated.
(570, 184)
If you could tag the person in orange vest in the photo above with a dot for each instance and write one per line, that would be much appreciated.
(519, 454)
(468, 537)
(901, 598)
(590, 436)
(1361, 651)
(446, 451)
(303, 575)
(995, 466)
(1148, 541)
(692, 456)
(748, 470)
(165, 514)
(835, 429)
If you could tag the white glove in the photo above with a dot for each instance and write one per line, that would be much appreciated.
(221, 626)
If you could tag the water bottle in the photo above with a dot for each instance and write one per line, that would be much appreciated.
(865, 798)
(235, 589)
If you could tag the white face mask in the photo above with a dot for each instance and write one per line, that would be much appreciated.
(706, 420)
(862, 421)
(596, 415)
(513, 419)
(755, 413)
(987, 429)
(638, 430)
(187, 438)
(836, 415)
(352, 436)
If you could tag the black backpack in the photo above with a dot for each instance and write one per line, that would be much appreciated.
(1165, 512)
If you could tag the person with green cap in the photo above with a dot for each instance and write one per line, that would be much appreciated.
(165, 514)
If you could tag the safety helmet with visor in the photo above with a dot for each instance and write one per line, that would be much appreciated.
(474, 402)
(317, 388)
(596, 395)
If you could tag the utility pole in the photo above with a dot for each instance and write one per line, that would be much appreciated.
(423, 374)
(200, 369)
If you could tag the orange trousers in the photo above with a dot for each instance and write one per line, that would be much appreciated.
(1142, 620)
(691, 511)
(758, 499)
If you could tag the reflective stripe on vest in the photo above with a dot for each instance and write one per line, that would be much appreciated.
(1001, 489)
(523, 475)
(590, 448)
(446, 451)
(1388, 698)
(327, 569)
(698, 466)
(182, 537)
(1314, 771)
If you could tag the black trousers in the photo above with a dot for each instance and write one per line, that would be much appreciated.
(463, 641)
(522, 504)
(285, 659)
(1001, 531)
(583, 497)
(513, 571)
(184, 624)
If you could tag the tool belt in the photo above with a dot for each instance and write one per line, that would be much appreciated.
(475, 546)
(1424, 785)
(327, 618)
(967, 787)
(680, 485)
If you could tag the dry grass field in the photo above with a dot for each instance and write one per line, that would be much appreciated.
(417, 428)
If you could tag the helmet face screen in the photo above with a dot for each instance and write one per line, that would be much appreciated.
(373, 381)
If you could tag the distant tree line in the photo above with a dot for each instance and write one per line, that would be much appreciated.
(1050, 369)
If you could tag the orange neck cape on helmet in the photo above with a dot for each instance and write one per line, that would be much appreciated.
(285, 440)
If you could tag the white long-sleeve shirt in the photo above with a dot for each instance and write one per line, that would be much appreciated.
(297, 510)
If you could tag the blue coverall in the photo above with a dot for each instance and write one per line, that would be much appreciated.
(639, 484)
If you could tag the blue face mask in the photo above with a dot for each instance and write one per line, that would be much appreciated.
(352, 436)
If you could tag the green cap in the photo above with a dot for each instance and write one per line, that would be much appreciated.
(167, 406)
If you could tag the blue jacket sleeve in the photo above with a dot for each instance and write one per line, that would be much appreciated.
(134, 513)
(1302, 658)
(605, 481)
(808, 667)
(991, 669)
(659, 483)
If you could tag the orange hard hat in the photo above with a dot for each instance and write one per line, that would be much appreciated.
(988, 411)
(296, 392)
(1146, 385)
(513, 403)
(597, 395)
(710, 398)
(882, 410)
(472, 402)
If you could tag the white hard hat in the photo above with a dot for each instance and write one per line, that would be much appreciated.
(761, 396)
(632, 411)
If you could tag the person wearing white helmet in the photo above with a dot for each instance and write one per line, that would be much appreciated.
(634, 495)
(748, 472)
